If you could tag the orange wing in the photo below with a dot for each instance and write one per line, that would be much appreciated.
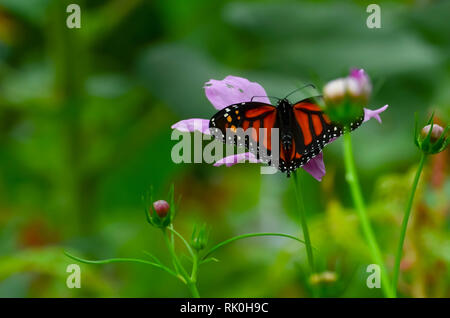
(240, 125)
(312, 131)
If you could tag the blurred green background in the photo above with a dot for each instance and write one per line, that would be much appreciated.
(85, 118)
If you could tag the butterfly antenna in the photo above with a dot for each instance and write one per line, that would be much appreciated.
(296, 90)
(265, 96)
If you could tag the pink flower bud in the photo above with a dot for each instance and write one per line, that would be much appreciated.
(436, 132)
(357, 86)
(364, 87)
(161, 208)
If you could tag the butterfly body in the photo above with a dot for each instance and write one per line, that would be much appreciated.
(303, 130)
(285, 118)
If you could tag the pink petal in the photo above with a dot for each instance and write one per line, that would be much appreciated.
(362, 80)
(316, 167)
(233, 90)
(234, 159)
(358, 74)
(368, 113)
(190, 125)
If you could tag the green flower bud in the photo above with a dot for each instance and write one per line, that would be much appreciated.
(199, 238)
(432, 138)
(160, 213)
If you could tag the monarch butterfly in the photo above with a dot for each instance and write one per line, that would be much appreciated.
(304, 130)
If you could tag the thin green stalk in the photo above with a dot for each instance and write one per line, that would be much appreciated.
(352, 179)
(193, 289)
(178, 267)
(171, 229)
(194, 268)
(194, 255)
(398, 257)
(239, 237)
(191, 284)
(192, 281)
(124, 260)
(303, 221)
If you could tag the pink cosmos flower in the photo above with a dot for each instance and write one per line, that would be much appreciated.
(234, 90)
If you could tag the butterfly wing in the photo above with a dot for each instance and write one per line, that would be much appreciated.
(229, 123)
(313, 130)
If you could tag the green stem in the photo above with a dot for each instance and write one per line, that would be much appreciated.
(123, 260)
(193, 289)
(191, 284)
(178, 267)
(182, 239)
(194, 268)
(352, 179)
(303, 221)
(398, 257)
(239, 237)
(192, 281)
